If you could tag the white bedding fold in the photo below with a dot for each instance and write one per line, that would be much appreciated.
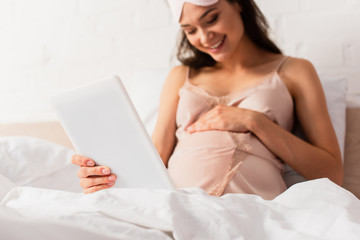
(316, 209)
(5, 186)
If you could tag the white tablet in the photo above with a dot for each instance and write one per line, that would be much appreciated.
(102, 123)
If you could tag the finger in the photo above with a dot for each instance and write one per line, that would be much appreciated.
(201, 124)
(204, 122)
(97, 188)
(93, 171)
(82, 161)
(95, 181)
(198, 127)
(195, 126)
(211, 124)
(212, 113)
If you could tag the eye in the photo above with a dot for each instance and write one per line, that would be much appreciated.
(213, 19)
(191, 31)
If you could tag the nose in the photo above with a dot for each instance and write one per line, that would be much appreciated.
(206, 37)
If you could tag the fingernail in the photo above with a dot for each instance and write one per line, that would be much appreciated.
(106, 171)
(110, 184)
(111, 178)
(90, 163)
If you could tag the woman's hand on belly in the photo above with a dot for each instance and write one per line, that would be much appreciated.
(93, 178)
(223, 118)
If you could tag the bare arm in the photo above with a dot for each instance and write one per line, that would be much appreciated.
(164, 132)
(320, 157)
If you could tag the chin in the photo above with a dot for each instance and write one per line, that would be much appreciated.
(219, 58)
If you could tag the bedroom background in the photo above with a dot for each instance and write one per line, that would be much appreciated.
(51, 45)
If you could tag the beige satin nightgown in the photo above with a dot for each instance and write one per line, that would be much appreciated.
(228, 162)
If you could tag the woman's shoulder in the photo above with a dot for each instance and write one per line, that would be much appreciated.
(293, 66)
(179, 71)
(297, 73)
(176, 77)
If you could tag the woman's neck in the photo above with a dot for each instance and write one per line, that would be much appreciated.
(246, 55)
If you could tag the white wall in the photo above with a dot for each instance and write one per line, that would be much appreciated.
(50, 45)
(327, 32)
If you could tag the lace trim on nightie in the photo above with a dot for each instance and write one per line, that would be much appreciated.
(210, 100)
(238, 158)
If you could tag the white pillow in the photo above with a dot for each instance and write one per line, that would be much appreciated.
(28, 161)
(145, 93)
(335, 93)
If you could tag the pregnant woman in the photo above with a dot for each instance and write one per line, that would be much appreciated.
(227, 112)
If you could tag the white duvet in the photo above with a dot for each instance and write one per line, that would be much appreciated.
(316, 209)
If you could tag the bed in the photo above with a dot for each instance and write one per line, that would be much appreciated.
(40, 199)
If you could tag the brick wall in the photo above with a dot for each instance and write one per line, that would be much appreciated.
(50, 45)
(327, 32)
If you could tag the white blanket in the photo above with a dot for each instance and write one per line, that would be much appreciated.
(316, 209)
(49, 207)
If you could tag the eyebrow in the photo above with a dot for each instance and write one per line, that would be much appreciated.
(202, 16)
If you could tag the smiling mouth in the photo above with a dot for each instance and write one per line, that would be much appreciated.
(218, 44)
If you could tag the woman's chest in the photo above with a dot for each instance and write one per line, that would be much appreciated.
(270, 97)
(222, 84)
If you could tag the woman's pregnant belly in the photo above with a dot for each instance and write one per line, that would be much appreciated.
(208, 160)
(202, 159)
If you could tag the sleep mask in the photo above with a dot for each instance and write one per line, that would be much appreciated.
(176, 6)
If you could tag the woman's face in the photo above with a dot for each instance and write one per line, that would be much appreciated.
(215, 30)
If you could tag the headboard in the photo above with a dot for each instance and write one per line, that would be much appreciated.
(51, 131)
(352, 151)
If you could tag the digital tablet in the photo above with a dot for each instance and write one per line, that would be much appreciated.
(102, 124)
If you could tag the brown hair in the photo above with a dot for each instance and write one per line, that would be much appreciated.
(256, 28)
